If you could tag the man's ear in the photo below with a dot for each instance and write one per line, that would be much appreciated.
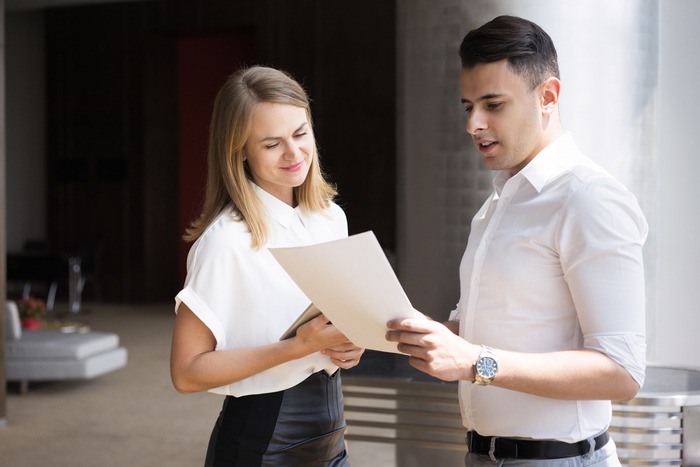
(550, 94)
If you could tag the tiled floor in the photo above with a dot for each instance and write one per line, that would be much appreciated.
(130, 417)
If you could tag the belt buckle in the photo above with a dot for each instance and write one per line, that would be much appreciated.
(508, 448)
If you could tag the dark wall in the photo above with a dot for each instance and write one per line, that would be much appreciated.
(112, 87)
(103, 139)
(344, 52)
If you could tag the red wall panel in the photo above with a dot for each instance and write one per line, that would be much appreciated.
(204, 62)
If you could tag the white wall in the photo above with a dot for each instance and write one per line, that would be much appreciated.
(677, 321)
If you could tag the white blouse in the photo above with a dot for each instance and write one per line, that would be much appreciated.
(245, 297)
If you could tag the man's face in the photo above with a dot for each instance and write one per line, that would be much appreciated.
(504, 117)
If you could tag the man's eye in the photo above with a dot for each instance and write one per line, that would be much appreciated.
(467, 109)
(494, 105)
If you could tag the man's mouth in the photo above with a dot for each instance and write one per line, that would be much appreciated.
(486, 146)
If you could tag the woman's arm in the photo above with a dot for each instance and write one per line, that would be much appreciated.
(195, 366)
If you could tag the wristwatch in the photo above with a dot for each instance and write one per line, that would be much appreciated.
(486, 367)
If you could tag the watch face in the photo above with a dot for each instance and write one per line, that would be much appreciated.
(487, 367)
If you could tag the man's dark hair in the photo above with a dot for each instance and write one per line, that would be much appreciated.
(527, 47)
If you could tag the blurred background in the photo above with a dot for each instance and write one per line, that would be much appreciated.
(107, 106)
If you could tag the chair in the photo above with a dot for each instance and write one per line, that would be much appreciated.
(54, 355)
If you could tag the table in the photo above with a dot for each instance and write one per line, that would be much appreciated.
(49, 268)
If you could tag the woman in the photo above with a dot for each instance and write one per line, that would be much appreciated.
(265, 189)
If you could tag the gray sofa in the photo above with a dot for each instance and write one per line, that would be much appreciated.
(52, 355)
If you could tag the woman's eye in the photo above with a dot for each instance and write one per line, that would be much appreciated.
(271, 146)
(299, 135)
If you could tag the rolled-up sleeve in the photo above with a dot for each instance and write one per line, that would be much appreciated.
(602, 235)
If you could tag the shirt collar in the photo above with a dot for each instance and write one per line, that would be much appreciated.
(278, 210)
(548, 163)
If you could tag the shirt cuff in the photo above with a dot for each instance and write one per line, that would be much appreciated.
(628, 351)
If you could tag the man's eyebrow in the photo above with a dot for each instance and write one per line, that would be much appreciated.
(485, 97)
(274, 138)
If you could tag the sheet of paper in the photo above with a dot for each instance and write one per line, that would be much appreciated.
(353, 284)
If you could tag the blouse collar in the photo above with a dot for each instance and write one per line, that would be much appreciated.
(278, 210)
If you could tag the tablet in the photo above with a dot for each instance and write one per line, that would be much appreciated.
(310, 313)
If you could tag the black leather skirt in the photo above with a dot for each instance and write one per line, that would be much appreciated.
(301, 426)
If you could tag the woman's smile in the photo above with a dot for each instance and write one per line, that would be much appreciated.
(295, 167)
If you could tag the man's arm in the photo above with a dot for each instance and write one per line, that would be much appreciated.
(574, 375)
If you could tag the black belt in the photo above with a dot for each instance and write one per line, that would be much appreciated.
(511, 448)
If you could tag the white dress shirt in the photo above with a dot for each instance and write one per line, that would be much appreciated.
(245, 297)
(553, 263)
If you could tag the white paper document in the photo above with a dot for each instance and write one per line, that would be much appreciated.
(351, 281)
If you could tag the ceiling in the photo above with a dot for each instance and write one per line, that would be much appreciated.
(19, 5)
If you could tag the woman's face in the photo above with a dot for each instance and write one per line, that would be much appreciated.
(279, 149)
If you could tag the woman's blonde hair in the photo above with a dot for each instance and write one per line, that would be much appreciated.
(227, 174)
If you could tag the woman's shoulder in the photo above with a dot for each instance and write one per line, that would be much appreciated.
(337, 219)
(331, 219)
(226, 231)
(335, 211)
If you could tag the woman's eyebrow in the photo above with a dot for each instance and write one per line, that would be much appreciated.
(275, 138)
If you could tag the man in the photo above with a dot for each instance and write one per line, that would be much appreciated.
(550, 323)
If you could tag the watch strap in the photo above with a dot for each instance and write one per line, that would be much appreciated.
(483, 379)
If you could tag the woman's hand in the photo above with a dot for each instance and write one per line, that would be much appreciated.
(320, 335)
(345, 356)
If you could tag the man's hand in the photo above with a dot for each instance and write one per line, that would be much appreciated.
(434, 349)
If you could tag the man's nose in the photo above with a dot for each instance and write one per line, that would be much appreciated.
(475, 122)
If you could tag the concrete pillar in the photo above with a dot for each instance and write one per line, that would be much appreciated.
(609, 65)
(3, 269)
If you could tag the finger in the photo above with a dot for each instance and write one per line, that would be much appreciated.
(393, 336)
(419, 364)
(344, 355)
(324, 318)
(412, 350)
(416, 325)
(345, 364)
(396, 324)
(344, 347)
(406, 337)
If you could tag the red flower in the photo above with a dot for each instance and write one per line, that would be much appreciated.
(31, 307)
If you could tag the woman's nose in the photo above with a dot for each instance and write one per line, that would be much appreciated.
(292, 151)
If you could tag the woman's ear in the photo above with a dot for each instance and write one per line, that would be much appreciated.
(550, 94)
